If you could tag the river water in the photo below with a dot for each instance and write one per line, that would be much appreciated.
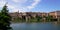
(35, 26)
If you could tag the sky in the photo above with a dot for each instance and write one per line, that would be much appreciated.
(31, 5)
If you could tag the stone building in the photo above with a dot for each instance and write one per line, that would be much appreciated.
(55, 14)
(28, 15)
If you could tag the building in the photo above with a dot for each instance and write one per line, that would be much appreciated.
(55, 14)
(28, 15)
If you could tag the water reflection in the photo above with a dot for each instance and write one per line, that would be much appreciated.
(35, 26)
(56, 25)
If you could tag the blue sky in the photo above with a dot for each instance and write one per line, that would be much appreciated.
(31, 5)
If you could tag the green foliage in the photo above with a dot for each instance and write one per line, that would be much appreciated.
(38, 18)
(4, 19)
(49, 18)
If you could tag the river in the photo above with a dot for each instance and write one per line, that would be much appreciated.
(35, 26)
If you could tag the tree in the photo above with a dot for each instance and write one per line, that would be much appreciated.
(49, 18)
(38, 18)
(5, 18)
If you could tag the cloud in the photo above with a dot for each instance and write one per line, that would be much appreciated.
(19, 1)
(33, 4)
(10, 6)
(14, 7)
(2, 3)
